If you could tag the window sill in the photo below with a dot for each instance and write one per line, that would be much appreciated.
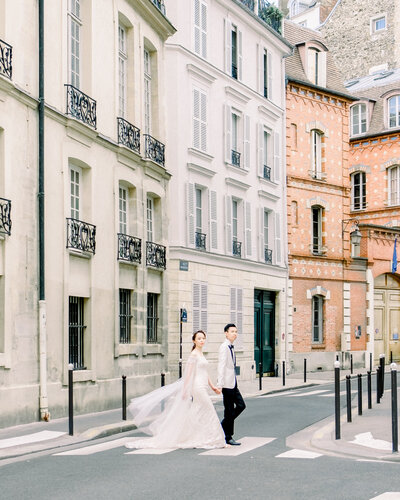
(318, 346)
(234, 168)
(129, 263)
(80, 253)
(125, 349)
(83, 376)
(149, 349)
(200, 154)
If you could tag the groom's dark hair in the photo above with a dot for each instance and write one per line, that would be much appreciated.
(229, 325)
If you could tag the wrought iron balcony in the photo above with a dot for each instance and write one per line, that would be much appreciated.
(154, 150)
(234, 71)
(81, 106)
(270, 14)
(237, 248)
(81, 235)
(268, 255)
(249, 4)
(128, 135)
(155, 255)
(267, 172)
(129, 248)
(200, 240)
(235, 158)
(5, 59)
(160, 6)
(5, 216)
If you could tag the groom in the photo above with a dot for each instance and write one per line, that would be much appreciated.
(233, 401)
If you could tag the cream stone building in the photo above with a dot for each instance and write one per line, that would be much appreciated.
(226, 136)
(82, 274)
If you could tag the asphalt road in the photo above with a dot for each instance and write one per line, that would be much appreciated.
(187, 474)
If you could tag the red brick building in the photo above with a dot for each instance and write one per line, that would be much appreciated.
(327, 285)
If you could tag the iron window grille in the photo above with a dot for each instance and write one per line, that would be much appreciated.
(81, 106)
(81, 236)
(5, 59)
(155, 255)
(129, 248)
(154, 150)
(268, 255)
(200, 240)
(152, 318)
(235, 158)
(267, 172)
(128, 135)
(125, 316)
(237, 248)
(5, 216)
(76, 332)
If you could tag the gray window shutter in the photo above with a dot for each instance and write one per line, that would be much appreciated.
(248, 230)
(204, 30)
(269, 70)
(277, 158)
(190, 193)
(240, 56)
(213, 221)
(197, 27)
(228, 133)
(196, 119)
(196, 306)
(260, 149)
(277, 238)
(233, 305)
(203, 121)
(239, 316)
(260, 72)
(246, 142)
(203, 306)
(228, 224)
(228, 46)
(261, 243)
(322, 69)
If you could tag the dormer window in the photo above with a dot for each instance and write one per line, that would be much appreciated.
(316, 66)
(378, 24)
(394, 111)
(358, 119)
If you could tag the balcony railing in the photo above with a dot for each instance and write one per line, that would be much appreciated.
(128, 135)
(154, 150)
(81, 236)
(200, 240)
(129, 248)
(235, 158)
(236, 248)
(155, 255)
(81, 106)
(5, 59)
(270, 14)
(160, 5)
(268, 255)
(5, 216)
(267, 172)
(249, 4)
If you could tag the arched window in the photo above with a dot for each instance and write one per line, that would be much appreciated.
(394, 111)
(317, 319)
(393, 185)
(358, 119)
(316, 230)
(358, 191)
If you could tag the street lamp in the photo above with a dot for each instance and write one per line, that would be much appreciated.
(355, 235)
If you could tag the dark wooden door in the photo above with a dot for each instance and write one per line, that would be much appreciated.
(264, 330)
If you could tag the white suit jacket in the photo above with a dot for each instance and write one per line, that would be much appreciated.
(226, 367)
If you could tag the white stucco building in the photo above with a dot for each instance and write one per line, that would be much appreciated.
(226, 138)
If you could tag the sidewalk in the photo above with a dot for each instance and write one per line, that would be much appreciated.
(40, 436)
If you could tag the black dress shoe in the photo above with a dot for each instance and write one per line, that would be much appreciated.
(232, 442)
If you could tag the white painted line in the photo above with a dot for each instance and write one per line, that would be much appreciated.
(311, 393)
(389, 495)
(284, 393)
(30, 438)
(151, 451)
(247, 444)
(366, 439)
(332, 394)
(96, 448)
(299, 454)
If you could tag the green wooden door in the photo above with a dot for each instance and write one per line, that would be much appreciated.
(264, 330)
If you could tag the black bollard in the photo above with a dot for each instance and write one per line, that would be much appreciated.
(283, 373)
(351, 364)
(276, 370)
(71, 398)
(305, 370)
(260, 374)
(369, 390)
(348, 397)
(123, 397)
(382, 374)
(337, 400)
(162, 379)
(395, 429)
(378, 385)
(359, 394)
(370, 361)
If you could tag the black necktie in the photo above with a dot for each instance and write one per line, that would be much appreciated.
(231, 349)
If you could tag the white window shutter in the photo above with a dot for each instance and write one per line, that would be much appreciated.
(246, 142)
(261, 244)
(260, 69)
(270, 80)
(196, 306)
(277, 238)
(213, 221)
(190, 192)
(233, 305)
(239, 315)
(196, 118)
(322, 69)
(204, 30)
(203, 306)
(248, 230)
(240, 57)
(228, 133)
(228, 224)
(228, 46)
(203, 121)
(260, 149)
(277, 158)
(197, 26)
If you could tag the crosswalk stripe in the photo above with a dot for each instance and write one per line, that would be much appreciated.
(29, 438)
(151, 451)
(295, 453)
(309, 393)
(247, 444)
(332, 394)
(96, 448)
(389, 495)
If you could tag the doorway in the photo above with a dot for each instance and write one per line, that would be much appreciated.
(264, 330)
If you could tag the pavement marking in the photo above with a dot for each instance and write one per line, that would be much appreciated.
(389, 495)
(310, 393)
(30, 438)
(248, 444)
(275, 394)
(295, 453)
(96, 448)
(342, 393)
(366, 439)
(151, 451)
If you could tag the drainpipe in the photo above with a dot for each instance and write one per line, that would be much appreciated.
(43, 401)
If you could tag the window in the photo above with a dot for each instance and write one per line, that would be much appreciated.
(200, 237)
(267, 156)
(123, 210)
(125, 317)
(76, 330)
(317, 319)
(293, 135)
(358, 119)
(234, 220)
(200, 302)
(316, 66)
(294, 8)
(147, 92)
(234, 48)
(316, 230)
(378, 24)
(150, 214)
(122, 65)
(152, 318)
(358, 191)
(74, 45)
(394, 111)
(266, 73)
(200, 28)
(394, 188)
(267, 250)
(199, 120)
(75, 177)
(235, 140)
(316, 154)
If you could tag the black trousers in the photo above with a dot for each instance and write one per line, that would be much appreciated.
(233, 407)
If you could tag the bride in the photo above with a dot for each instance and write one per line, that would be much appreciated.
(180, 415)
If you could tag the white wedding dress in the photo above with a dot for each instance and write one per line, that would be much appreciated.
(179, 415)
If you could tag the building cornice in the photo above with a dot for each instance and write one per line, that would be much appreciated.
(237, 95)
(268, 195)
(152, 15)
(7, 87)
(201, 170)
(322, 90)
(230, 181)
(269, 112)
(200, 74)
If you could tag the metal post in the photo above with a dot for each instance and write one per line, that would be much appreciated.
(305, 370)
(123, 397)
(337, 399)
(391, 357)
(382, 374)
(283, 373)
(370, 361)
(180, 342)
(351, 364)
(260, 374)
(348, 397)
(395, 429)
(71, 398)
(162, 379)
(359, 394)
(378, 385)
(276, 370)
(369, 390)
